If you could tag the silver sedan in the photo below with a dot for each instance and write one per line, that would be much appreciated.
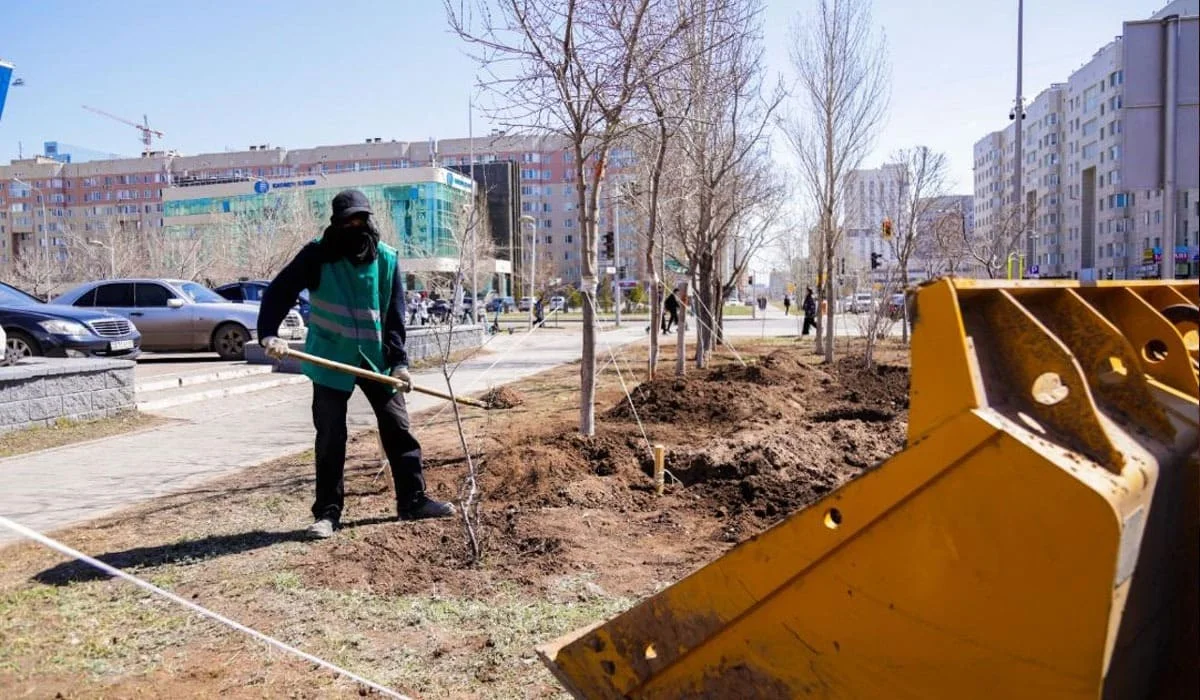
(179, 315)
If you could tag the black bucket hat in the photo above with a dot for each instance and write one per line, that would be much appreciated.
(347, 203)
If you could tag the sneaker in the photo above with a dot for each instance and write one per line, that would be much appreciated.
(427, 508)
(321, 529)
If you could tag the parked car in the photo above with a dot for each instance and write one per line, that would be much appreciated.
(180, 315)
(861, 303)
(558, 304)
(251, 291)
(526, 304)
(33, 328)
(439, 310)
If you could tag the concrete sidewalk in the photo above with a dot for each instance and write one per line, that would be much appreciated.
(72, 484)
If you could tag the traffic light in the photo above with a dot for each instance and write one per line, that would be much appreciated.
(608, 246)
(886, 229)
(875, 260)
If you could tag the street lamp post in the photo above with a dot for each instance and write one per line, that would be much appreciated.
(527, 219)
(1018, 115)
(112, 257)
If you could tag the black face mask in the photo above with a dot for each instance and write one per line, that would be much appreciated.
(358, 244)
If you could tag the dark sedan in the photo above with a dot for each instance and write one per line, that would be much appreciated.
(251, 291)
(36, 328)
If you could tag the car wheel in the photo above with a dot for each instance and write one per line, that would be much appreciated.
(229, 340)
(20, 346)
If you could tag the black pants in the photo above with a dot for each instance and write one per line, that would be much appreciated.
(402, 449)
(810, 321)
(670, 318)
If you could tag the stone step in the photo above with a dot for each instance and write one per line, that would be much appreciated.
(207, 391)
(177, 380)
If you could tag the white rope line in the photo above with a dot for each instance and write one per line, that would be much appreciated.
(624, 387)
(724, 336)
(113, 571)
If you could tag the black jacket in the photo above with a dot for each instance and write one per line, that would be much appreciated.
(810, 306)
(304, 272)
(672, 303)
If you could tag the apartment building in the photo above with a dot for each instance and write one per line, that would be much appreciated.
(41, 197)
(871, 195)
(547, 172)
(1085, 221)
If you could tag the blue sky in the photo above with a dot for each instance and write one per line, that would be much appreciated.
(299, 73)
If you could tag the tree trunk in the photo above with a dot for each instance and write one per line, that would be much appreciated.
(704, 315)
(587, 367)
(819, 342)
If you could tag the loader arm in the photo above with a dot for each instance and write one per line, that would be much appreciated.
(1039, 537)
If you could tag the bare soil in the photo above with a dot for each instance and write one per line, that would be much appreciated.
(573, 532)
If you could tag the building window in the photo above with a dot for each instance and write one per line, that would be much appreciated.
(546, 208)
(571, 239)
(547, 223)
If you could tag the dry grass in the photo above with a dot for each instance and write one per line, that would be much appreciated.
(68, 432)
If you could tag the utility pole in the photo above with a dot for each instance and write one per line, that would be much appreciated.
(527, 219)
(1018, 114)
(1170, 192)
(617, 256)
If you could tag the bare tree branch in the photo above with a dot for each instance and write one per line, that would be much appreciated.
(842, 94)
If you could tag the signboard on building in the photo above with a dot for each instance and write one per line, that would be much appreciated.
(6, 70)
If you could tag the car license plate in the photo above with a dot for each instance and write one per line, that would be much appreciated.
(120, 345)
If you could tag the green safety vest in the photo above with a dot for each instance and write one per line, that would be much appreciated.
(346, 318)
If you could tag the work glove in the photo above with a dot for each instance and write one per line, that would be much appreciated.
(275, 346)
(401, 373)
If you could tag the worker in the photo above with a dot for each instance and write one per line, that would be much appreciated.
(357, 318)
(809, 307)
(670, 311)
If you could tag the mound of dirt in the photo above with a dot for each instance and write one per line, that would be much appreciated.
(745, 447)
(503, 397)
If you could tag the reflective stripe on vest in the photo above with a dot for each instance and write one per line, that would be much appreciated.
(346, 317)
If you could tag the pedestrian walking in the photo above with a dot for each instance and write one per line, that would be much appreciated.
(809, 307)
(539, 313)
(787, 304)
(357, 293)
(670, 311)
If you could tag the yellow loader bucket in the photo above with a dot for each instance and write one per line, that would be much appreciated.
(1039, 537)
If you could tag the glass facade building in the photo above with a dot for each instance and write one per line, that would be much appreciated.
(418, 218)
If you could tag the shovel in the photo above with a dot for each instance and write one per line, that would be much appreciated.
(381, 378)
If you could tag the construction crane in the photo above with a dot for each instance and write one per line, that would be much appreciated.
(144, 127)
